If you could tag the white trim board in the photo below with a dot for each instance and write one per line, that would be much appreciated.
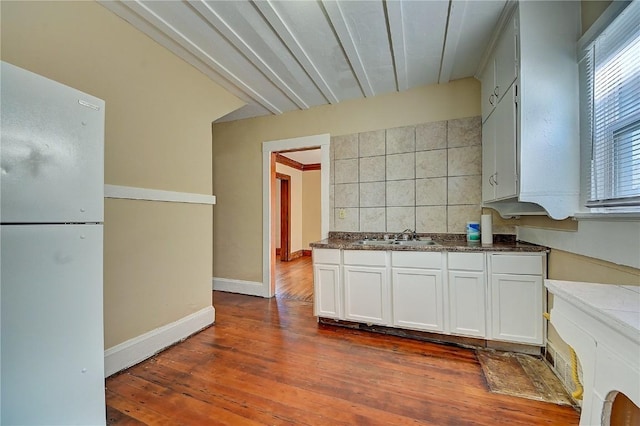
(251, 288)
(146, 194)
(139, 348)
(268, 147)
(613, 241)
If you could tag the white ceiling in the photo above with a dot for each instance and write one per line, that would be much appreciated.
(310, 156)
(280, 56)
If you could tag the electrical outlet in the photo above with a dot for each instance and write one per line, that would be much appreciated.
(342, 213)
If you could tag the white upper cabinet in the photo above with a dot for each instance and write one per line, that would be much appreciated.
(501, 69)
(487, 89)
(506, 59)
(532, 74)
(499, 174)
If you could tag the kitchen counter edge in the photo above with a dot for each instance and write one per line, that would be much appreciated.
(448, 246)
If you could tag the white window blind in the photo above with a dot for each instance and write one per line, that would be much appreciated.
(610, 103)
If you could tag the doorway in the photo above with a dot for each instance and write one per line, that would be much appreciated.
(270, 149)
(283, 217)
(297, 207)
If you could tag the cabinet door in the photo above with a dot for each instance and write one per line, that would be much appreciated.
(326, 292)
(505, 178)
(506, 59)
(467, 303)
(366, 294)
(488, 158)
(487, 89)
(516, 308)
(418, 299)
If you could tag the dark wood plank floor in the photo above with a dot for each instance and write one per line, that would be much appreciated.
(294, 279)
(267, 361)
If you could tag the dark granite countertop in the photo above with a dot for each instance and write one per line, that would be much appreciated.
(446, 242)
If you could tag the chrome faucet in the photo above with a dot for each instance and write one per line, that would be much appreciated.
(412, 235)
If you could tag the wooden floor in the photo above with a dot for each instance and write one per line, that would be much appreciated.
(294, 279)
(267, 361)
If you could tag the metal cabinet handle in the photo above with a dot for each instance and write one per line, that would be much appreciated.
(491, 99)
(496, 91)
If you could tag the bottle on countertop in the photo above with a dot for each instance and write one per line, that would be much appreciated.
(473, 231)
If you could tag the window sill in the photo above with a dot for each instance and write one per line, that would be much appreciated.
(611, 216)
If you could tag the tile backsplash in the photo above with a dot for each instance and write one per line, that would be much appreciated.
(425, 177)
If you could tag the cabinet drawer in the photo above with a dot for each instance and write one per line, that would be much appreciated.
(326, 256)
(466, 261)
(518, 265)
(416, 259)
(365, 257)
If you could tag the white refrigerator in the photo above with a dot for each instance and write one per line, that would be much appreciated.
(51, 209)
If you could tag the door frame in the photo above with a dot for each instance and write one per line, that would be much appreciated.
(285, 216)
(269, 148)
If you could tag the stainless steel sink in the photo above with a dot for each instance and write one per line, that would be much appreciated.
(376, 242)
(413, 243)
(417, 243)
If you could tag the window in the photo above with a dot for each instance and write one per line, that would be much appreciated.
(610, 113)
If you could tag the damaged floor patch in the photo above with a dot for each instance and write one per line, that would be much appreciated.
(521, 375)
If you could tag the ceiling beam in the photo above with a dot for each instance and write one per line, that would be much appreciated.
(251, 55)
(398, 45)
(452, 37)
(345, 38)
(270, 14)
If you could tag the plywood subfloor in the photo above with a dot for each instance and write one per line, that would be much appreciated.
(521, 375)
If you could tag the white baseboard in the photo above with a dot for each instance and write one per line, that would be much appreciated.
(139, 348)
(251, 288)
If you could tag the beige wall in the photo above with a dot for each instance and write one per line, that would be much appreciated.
(591, 10)
(237, 153)
(158, 135)
(569, 266)
(311, 217)
(295, 214)
(305, 207)
(157, 265)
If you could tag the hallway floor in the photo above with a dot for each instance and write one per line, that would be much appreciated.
(294, 279)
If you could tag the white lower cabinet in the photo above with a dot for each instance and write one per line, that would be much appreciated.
(467, 311)
(517, 298)
(496, 296)
(467, 295)
(366, 287)
(417, 290)
(327, 292)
